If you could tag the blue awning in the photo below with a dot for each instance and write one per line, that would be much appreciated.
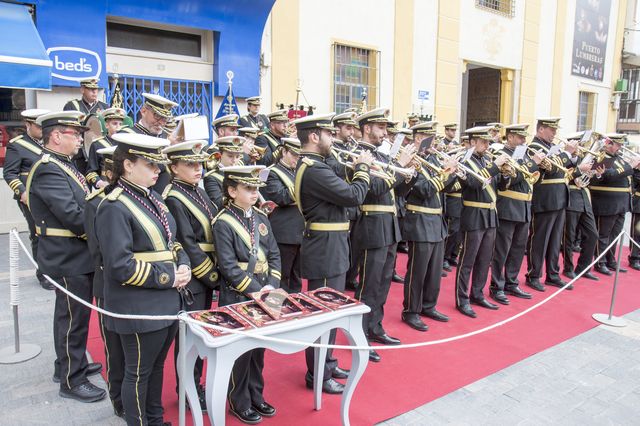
(24, 63)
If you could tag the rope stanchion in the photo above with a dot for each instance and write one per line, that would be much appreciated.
(19, 352)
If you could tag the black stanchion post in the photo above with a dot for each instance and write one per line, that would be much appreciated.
(610, 319)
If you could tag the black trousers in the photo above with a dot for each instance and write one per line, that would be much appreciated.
(608, 229)
(454, 238)
(511, 243)
(422, 280)
(376, 270)
(545, 238)
(201, 301)
(246, 384)
(338, 283)
(354, 255)
(33, 238)
(477, 249)
(585, 224)
(290, 268)
(114, 356)
(634, 254)
(144, 355)
(71, 328)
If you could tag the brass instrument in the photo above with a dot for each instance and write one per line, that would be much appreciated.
(407, 173)
(440, 171)
(597, 155)
(257, 152)
(628, 155)
(548, 164)
(463, 170)
(514, 166)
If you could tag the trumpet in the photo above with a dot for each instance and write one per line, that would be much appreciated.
(257, 152)
(531, 177)
(547, 164)
(597, 155)
(438, 170)
(628, 155)
(407, 173)
(463, 170)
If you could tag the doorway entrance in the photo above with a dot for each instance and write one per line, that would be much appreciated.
(482, 96)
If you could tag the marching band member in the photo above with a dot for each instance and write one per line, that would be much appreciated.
(254, 118)
(453, 207)
(286, 220)
(88, 103)
(579, 217)
(250, 153)
(514, 214)
(113, 118)
(270, 140)
(611, 197)
(113, 352)
(449, 140)
(230, 154)
(377, 229)
(548, 205)
(56, 198)
(227, 125)
(193, 212)
(425, 230)
(634, 251)
(478, 222)
(22, 152)
(249, 261)
(323, 198)
(145, 269)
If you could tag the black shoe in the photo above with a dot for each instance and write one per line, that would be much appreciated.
(397, 278)
(384, 339)
(569, 274)
(118, 409)
(484, 303)
(590, 276)
(452, 262)
(402, 248)
(498, 296)
(434, 315)
(534, 283)
(85, 392)
(414, 321)
(90, 370)
(576, 248)
(635, 265)
(557, 282)
(265, 409)
(351, 285)
(612, 268)
(517, 292)
(374, 356)
(603, 270)
(340, 373)
(248, 416)
(446, 266)
(443, 274)
(47, 285)
(466, 310)
(329, 386)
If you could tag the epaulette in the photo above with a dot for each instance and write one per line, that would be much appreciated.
(16, 138)
(94, 194)
(46, 158)
(113, 195)
(308, 161)
(259, 211)
(217, 216)
(165, 193)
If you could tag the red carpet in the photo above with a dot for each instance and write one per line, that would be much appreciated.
(406, 379)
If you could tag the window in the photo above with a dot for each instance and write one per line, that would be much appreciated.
(133, 37)
(629, 100)
(355, 70)
(586, 110)
(502, 7)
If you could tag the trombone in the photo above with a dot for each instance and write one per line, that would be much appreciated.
(407, 173)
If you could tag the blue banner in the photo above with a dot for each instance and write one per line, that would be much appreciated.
(229, 105)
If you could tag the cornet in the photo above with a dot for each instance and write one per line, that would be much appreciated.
(531, 177)
(407, 173)
(463, 170)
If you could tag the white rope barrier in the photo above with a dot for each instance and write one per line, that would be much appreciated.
(186, 318)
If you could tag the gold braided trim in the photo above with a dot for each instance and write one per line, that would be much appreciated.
(515, 195)
(553, 181)
(337, 226)
(154, 256)
(479, 205)
(610, 189)
(420, 209)
(206, 247)
(374, 208)
(203, 269)
(57, 232)
(454, 194)
(261, 267)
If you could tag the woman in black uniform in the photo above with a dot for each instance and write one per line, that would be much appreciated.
(249, 261)
(194, 212)
(144, 270)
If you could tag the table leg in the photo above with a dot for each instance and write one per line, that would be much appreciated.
(320, 356)
(359, 361)
(190, 386)
(218, 374)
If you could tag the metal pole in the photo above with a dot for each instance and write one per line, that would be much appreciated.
(16, 328)
(182, 361)
(610, 319)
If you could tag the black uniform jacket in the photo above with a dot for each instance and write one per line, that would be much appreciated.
(260, 121)
(90, 210)
(269, 141)
(139, 265)
(611, 193)
(342, 171)
(515, 193)
(164, 178)
(424, 217)
(95, 161)
(286, 220)
(213, 186)
(378, 226)
(579, 198)
(551, 192)
(22, 153)
(636, 192)
(56, 198)
(194, 214)
(478, 203)
(323, 198)
(83, 107)
(232, 238)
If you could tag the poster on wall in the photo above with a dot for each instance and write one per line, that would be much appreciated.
(590, 35)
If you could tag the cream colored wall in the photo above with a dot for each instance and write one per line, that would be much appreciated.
(425, 30)
(448, 65)
(544, 62)
(404, 37)
(286, 24)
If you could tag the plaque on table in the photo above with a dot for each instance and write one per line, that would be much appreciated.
(311, 306)
(221, 317)
(254, 313)
(277, 303)
(331, 298)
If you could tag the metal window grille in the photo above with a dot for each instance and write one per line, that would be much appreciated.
(503, 7)
(355, 69)
(191, 96)
(586, 105)
(629, 100)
